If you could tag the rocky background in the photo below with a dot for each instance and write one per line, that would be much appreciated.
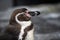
(47, 24)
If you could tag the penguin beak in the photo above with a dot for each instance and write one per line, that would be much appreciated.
(33, 13)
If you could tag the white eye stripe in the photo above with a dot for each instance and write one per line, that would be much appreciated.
(17, 16)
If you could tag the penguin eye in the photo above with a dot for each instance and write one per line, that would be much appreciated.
(22, 14)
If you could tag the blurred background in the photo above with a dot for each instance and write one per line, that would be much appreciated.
(47, 24)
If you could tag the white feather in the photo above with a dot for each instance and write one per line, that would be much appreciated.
(30, 35)
(23, 24)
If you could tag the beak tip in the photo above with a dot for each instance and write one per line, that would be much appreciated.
(38, 12)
